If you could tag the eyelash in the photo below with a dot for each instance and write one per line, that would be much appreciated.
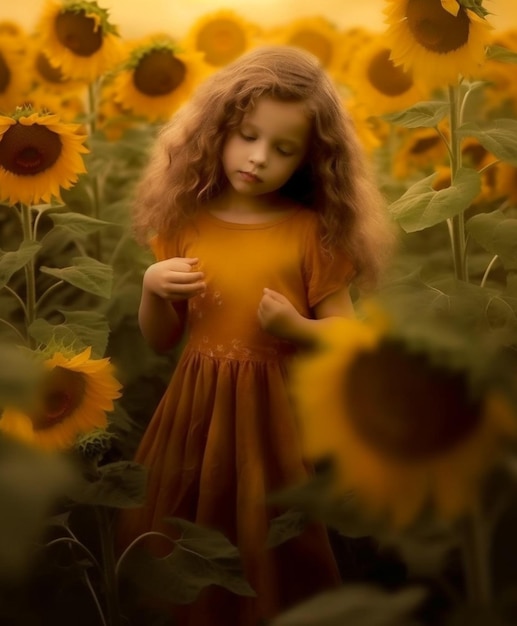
(252, 138)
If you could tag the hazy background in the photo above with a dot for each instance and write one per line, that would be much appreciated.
(138, 17)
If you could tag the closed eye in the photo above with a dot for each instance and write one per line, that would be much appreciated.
(247, 137)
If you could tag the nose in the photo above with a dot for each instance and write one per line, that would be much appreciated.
(258, 154)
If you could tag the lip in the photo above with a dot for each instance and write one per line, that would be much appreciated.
(249, 177)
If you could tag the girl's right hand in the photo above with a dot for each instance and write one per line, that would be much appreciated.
(174, 279)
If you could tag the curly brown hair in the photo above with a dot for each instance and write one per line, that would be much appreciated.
(185, 170)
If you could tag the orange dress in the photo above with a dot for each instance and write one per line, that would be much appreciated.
(224, 435)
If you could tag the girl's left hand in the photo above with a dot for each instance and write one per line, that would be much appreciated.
(277, 315)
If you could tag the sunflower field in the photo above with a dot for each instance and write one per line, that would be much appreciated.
(409, 411)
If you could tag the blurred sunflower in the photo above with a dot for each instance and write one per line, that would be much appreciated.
(437, 40)
(75, 394)
(12, 29)
(403, 431)
(500, 91)
(380, 84)
(505, 182)
(316, 35)
(14, 78)
(221, 37)
(351, 41)
(38, 155)
(113, 119)
(47, 75)
(372, 131)
(79, 39)
(420, 149)
(157, 79)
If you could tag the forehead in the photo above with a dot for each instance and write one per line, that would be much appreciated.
(279, 119)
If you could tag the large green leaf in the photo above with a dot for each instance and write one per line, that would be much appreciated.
(80, 329)
(500, 53)
(11, 262)
(120, 485)
(356, 604)
(497, 233)
(199, 558)
(77, 223)
(423, 114)
(421, 206)
(498, 136)
(87, 274)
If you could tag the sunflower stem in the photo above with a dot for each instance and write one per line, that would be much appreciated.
(92, 105)
(458, 221)
(30, 276)
(109, 565)
(476, 560)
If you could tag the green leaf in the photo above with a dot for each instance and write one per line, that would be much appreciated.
(355, 604)
(78, 224)
(421, 206)
(11, 262)
(497, 234)
(423, 114)
(87, 274)
(286, 526)
(30, 485)
(120, 485)
(498, 137)
(500, 53)
(200, 558)
(80, 329)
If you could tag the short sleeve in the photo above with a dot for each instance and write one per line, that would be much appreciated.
(325, 272)
(163, 249)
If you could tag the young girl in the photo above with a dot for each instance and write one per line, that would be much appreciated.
(261, 213)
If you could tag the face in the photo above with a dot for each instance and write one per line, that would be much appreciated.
(261, 155)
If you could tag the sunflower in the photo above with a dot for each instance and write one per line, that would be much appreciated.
(381, 85)
(404, 431)
(505, 176)
(500, 91)
(316, 35)
(157, 79)
(220, 37)
(14, 78)
(437, 41)
(113, 119)
(74, 396)
(79, 39)
(38, 155)
(420, 149)
(351, 41)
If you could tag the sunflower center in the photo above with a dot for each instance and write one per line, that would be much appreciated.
(29, 150)
(423, 144)
(221, 41)
(387, 78)
(159, 73)
(436, 29)
(313, 42)
(5, 74)
(78, 32)
(405, 407)
(48, 71)
(63, 393)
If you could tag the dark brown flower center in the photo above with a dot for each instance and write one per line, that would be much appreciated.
(78, 33)
(387, 78)
(48, 71)
(29, 150)
(63, 392)
(474, 154)
(5, 74)
(315, 43)
(406, 408)
(423, 144)
(159, 73)
(435, 28)
(221, 41)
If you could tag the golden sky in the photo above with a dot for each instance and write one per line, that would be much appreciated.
(139, 17)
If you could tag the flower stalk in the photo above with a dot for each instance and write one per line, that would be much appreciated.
(476, 560)
(457, 223)
(30, 276)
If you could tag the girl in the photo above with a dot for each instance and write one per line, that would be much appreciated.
(261, 213)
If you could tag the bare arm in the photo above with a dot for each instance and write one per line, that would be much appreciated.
(167, 282)
(279, 317)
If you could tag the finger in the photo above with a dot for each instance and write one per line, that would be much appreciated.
(185, 277)
(191, 289)
(274, 295)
